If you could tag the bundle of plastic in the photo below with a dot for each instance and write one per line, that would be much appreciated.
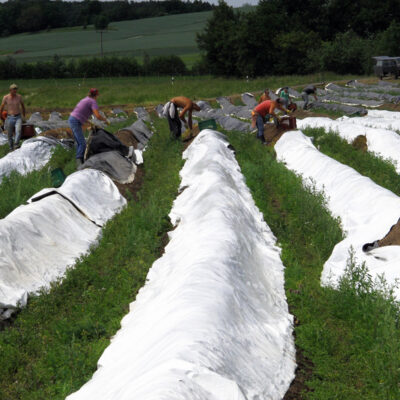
(367, 211)
(39, 241)
(212, 321)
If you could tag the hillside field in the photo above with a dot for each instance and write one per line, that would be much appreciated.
(173, 34)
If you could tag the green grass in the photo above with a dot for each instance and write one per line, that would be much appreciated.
(173, 34)
(16, 189)
(53, 347)
(65, 93)
(351, 335)
(381, 171)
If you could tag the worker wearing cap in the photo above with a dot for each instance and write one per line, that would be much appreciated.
(259, 113)
(15, 111)
(171, 112)
(81, 113)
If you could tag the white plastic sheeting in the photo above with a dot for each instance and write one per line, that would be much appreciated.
(3, 139)
(377, 119)
(383, 142)
(40, 240)
(32, 155)
(212, 321)
(367, 211)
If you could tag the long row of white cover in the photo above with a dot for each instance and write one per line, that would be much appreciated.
(367, 211)
(383, 142)
(212, 320)
(32, 155)
(377, 119)
(40, 240)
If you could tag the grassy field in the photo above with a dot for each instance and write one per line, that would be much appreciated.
(173, 34)
(65, 93)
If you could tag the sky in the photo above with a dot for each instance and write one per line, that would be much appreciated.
(233, 3)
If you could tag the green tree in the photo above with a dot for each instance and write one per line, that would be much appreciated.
(101, 22)
(219, 41)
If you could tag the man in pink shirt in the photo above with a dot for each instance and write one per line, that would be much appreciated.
(15, 106)
(81, 113)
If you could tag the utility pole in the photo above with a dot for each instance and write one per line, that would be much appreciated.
(101, 41)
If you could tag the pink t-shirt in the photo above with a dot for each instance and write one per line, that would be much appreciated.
(84, 109)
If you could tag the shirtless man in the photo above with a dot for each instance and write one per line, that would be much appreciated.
(186, 105)
(15, 106)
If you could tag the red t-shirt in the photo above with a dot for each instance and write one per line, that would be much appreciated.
(266, 107)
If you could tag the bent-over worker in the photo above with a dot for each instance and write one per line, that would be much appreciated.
(15, 107)
(174, 119)
(81, 113)
(310, 89)
(266, 108)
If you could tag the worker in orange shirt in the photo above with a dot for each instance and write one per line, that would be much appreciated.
(266, 108)
(264, 96)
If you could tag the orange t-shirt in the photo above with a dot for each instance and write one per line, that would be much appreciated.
(266, 107)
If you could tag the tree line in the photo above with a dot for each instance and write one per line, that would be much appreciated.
(93, 67)
(34, 15)
(283, 37)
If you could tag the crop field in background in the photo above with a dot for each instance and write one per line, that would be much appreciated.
(65, 93)
(173, 34)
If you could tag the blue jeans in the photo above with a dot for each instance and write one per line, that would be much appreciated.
(76, 127)
(260, 127)
(13, 124)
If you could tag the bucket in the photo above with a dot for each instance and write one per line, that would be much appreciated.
(292, 123)
(27, 131)
(57, 177)
(207, 124)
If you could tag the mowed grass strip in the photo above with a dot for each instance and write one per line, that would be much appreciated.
(65, 93)
(381, 171)
(55, 342)
(350, 335)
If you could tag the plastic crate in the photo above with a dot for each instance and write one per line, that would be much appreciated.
(207, 124)
(57, 177)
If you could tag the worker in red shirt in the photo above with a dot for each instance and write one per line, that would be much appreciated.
(266, 108)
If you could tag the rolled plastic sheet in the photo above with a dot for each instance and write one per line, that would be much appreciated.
(212, 321)
(366, 210)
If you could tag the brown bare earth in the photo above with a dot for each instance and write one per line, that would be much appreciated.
(127, 138)
(59, 133)
(133, 187)
(392, 238)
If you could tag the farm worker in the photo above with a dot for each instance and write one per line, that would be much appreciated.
(284, 95)
(15, 107)
(264, 96)
(310, 89)
(259, 113)
(174, 119)
(81, 113)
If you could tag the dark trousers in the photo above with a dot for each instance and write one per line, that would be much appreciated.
(175, 124)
